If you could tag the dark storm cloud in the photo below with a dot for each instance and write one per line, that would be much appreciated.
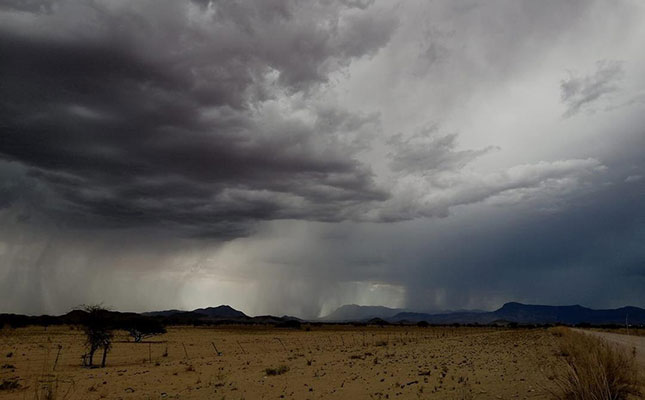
(167, 113)
(588, 253)
(299, 130)
(34, 6)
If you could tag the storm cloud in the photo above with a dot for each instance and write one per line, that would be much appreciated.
(288, 156)
(188, 115)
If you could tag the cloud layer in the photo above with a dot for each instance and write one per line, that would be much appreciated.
(192, 115)
(232, 143)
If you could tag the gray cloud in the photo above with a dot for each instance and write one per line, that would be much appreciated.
(432, 177)
(33, 6)
(214, 122)
(426, 152)
(276, 155)
(167, 114)
(579, 92)
(433, 196)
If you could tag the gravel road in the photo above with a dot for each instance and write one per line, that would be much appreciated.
(630, 342)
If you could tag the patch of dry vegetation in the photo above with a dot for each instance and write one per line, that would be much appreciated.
(330, 362)
(595, 369)
(276, 371)
(9, 384)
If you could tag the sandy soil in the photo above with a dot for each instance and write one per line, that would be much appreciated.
(324, 363)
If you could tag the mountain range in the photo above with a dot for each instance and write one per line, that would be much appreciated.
(353, 312)
(224, 311)
(509, 313)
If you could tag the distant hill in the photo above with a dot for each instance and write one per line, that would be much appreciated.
(509, 313)
(461, 317)
(223, 311)
(165, 313)
(354, 312)
(532, 314)
(576, 314)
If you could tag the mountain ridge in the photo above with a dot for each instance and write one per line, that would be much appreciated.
(221, 311)
(355, 312)
(512, 312)
(533, 314)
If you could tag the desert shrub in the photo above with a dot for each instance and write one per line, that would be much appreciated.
(276, 371)
(559, 331)
(98, 333)
(9, 384)
(378, 321)
(595, 369)
(291, 323)
(141, 328)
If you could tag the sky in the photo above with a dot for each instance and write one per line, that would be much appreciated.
(289, 157)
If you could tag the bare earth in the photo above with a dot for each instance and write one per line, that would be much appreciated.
(628, 341)
(324, 363)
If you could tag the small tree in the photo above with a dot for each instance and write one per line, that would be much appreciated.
(98, 333)
(141, 328)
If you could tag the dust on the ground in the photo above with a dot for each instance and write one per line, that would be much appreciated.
(325, 362)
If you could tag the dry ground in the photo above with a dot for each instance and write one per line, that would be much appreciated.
(324, 363)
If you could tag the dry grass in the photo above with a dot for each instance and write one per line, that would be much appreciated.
(435, 363)
(595, 369)
(276, 371)
(9, 384)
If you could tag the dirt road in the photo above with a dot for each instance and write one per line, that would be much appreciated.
(630, 342)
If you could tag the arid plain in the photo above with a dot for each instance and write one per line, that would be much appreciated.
(319, 362)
